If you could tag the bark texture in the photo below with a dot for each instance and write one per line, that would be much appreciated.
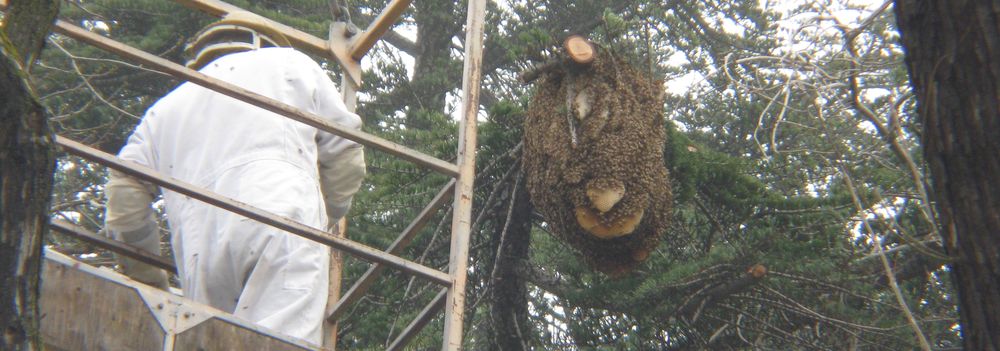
(510, 327)
(434, 70)
(26, 164)
(953, 55)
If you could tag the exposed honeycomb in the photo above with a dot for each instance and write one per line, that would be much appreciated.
(593, 156)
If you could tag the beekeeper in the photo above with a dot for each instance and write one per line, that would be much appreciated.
(255, 271)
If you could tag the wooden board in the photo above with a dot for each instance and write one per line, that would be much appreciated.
(90, 308)
(76, 313)
(218, 334)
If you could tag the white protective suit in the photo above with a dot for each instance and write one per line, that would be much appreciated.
(255, 271)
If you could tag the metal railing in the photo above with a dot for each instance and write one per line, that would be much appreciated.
(347, 51)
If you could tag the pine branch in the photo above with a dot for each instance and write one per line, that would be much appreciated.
(706, 291)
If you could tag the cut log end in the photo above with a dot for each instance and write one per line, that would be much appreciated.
(579, 49)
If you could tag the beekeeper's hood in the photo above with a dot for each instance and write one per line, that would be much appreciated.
(236, 32)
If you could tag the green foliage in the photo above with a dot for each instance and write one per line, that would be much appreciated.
(762, 140)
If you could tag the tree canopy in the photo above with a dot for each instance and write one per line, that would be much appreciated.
(802, 214)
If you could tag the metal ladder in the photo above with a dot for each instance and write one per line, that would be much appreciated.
(347, 50)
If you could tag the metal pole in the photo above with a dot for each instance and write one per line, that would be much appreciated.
(349, 93)
(419, 323)
(255, 99)
(284, 223)
(365, 282)
(115, 246)
(364, 41)
(461, 222)
(335, 274)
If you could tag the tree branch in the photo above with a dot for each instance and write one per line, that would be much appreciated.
(702, 290)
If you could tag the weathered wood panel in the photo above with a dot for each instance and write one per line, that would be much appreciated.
(84, 312)
(217, 334)
(89, 308)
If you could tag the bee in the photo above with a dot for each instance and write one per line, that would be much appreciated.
(593, 159)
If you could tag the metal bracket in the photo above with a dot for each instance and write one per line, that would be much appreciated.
(339, 42)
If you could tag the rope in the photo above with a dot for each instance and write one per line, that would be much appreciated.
(339, 12)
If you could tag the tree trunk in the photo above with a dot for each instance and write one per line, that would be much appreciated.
(26, 164)
(510, 329)
(953, 55)
(434, 71)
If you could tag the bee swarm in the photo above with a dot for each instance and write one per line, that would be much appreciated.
(593, 157)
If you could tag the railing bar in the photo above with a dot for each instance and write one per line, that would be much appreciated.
(252, 212)
(366, 40)
(362, 285)
(113, 245)
(418, 324)
(255, 99)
